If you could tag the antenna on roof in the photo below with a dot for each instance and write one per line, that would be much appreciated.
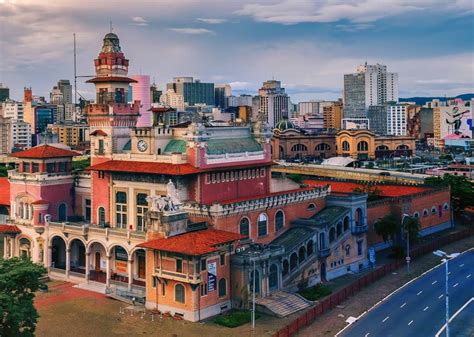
(111, 27)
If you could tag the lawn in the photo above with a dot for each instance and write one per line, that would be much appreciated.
(316, 292)
(235, 318)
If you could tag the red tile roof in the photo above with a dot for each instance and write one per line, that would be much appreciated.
(102, 79)
(99, 133)
(193, 243)
(4, 191)
(40, 202)
(9, 229)
(145, 167)
(45, 151)
(385, 190)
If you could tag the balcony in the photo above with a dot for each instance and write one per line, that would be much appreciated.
(83, 228)
(324, 252)
(359, 229)
(171, 275)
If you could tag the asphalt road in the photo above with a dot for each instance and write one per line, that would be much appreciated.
(418, 309)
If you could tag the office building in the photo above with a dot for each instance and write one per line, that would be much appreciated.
(12, 109)
(5, 145)
(377, 115)
(193, 91)
(71, 134)
(308, 108)
(65, 88)
(221, 92)
(274, 102)
(56, 96)
(388, 119)
(4, 93)
(173, 100)
(20, 134)
(42, 116)
(332, 115)
(370, 85)
(242, 100)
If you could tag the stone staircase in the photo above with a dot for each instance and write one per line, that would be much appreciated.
(92, 286)
(281, 304)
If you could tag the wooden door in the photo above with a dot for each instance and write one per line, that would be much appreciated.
(97, 261)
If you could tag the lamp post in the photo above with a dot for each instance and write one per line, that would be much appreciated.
(253, 296)
(408, 258)
(447, 257)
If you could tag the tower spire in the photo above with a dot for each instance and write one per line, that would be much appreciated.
(111, 27)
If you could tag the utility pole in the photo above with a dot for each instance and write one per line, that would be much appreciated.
(447, 298)
(253, 297)
(75, 72)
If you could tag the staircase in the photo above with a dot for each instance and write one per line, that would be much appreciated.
(281, 304)
(92, 286)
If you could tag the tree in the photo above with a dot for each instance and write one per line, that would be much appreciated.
(19, 280)
(462, 190)
(390, 227)
(373, 192)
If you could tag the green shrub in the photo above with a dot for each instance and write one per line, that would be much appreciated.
(235, 318)
(316, 292)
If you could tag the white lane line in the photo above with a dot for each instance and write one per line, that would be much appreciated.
(426, 308)
(440, 296)
(367, 334)
(449, 273)
(419, 293)
(454, 286)
(403, 305)
(385, 319)
(409, 323)
(468, 276)
(434, 283)
(461, 265)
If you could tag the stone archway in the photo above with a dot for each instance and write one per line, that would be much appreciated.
(77, 256)
(58, 253)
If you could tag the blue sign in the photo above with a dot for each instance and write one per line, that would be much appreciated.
(211, 276)
(372, 254)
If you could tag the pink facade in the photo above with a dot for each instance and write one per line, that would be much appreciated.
(141, 92)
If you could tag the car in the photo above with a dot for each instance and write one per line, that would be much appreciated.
(385, 174)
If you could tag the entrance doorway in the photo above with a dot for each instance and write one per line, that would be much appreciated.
(97, 261)
(141, 265)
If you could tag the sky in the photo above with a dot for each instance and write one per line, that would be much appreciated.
(306, 44)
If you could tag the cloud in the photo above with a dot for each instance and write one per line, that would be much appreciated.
(289, 12)
(139, 21)
(192, 31)
(211, 21)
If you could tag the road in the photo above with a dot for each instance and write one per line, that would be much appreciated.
(418, 309)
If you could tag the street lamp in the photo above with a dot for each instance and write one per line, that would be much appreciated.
(447, 257)
(408, 242)
(253, 296)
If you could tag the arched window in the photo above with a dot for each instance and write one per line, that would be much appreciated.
(262, 225)
(179, 294)
(222, 287)
(323, 147)
(299, 148)
(359, 219)
(293, 261)
(273, 277)
(62, 212)
(322, 241)
(402, 147)
(244, 226)
(425, 212)
(348, 250)
(363, 146)
(279, 220)
(416, 215)
(286, 267)
(311, 207)
(101, 215)
(346, 146)
(302, 254)
(382, 148)
(339, 229)
(346, 223)
(433, 210)
(332, 235)
(445, 206)
(310, 248)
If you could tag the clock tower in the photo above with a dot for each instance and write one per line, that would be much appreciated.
(111, 117)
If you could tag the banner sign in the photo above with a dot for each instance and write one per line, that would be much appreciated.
(120, 254)
(121, 267)
(211, 276)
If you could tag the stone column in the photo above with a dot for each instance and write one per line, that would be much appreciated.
(88, 267)
(50, 257)
(130, 273)
(107, 279)
(5, 247)
(68, 261)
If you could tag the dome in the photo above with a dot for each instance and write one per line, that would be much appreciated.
(285, 124)
(111, 43)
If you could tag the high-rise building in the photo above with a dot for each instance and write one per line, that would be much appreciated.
(274, 102)
(20, 134)
(13, 110)
(193, 91)
(141, 92)
(5, 127)
(56, 96)
(308, 108)
(388, 119)
(242, 100)
(221, 92)
(172, 99)
(377, 115)
(332, 115)
(4, 93)
(66, 89)
(42, 116)
(71, 134)
(370, 85)
(155, 94)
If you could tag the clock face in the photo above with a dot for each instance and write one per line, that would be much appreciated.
(142, 145)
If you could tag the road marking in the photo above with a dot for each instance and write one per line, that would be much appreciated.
(385, 319)
(367, 334)
(419, 293)
(440, 296)
(468, 276)
(434, 283)
(403, 305)
(409, 323)
(461, 265)
(454, 286)
(449, 273)
(426, 308)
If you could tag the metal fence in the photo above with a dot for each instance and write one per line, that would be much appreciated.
(342, 294)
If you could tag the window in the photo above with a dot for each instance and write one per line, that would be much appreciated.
(50, 167)
(26, 167)
(425, 212)
(262, 225)
(88, 210)
(142, 209)
(433, 210)
(179, 294)
(40, 217)
(332, 234)
(348, 250)
(101, 147)
(163, 290)
(244, 226)
(203, 264)
(445, 206)
(311, 207)
(203, 289)
(62, 166)
(62, 212)
(179, 265)
(222, 287)
(35, 167)
(279, 220)
(362, 146)
(346, 146)
(346, 223)
(101, 214)
(416, 215)
(121, 209)
(359, 247)
(222, 259)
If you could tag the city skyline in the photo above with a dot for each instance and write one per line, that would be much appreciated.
(307, 48)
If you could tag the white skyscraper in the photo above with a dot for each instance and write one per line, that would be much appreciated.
(13, 110)
(370, 85)
(274, 102)
(397, 120)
